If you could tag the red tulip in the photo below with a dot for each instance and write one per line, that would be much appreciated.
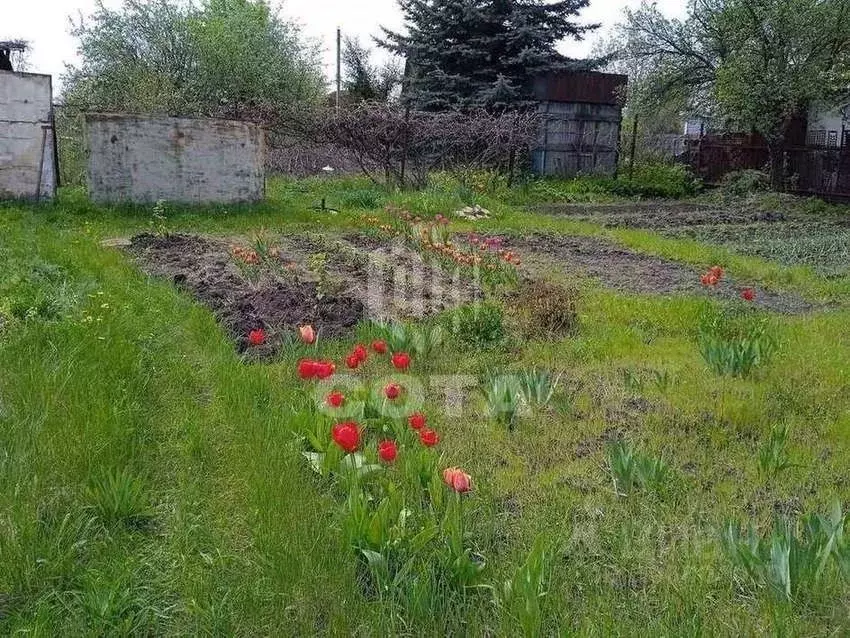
(717, 271)
(335, 399)
(360, 352)
(416, 421)
(379, 346)
(709, 279)
(257, 337)
(748, 294)
(324, 369)
(392, 391)
(307, 368)
(388, 451)
(346, 435)
(352, 361)
(308, 335)
(401, 360)
(428, 437)
(457, 479)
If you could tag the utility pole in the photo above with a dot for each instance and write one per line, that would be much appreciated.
(338, 66)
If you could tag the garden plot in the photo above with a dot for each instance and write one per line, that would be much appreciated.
(789, 236)
(294, 280)
(661, 215)
(619, 268)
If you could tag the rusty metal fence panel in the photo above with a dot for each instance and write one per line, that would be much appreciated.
(822, 170)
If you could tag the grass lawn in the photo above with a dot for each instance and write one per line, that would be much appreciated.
(153, 478)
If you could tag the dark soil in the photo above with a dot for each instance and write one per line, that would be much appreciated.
(595, 444)
(619, 268)
(205, 268)
(281, 293)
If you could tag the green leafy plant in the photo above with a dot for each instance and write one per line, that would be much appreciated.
(159, 220)
(632, 380)
(421, 340)
(479, 325)
(745, 182)
(735, 344)
(503, 395)
(663, 380)
(773, 455)
(362, 198)
(791, 560)
(317, 264)
(119, 498)
(521, 597)
(538, 387)
(631, 470)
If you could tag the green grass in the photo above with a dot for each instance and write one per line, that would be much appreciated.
(151, 483)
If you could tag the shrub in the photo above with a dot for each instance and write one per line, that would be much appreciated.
(744, 182)
(479, 325)
(658, 179)
(548, 308)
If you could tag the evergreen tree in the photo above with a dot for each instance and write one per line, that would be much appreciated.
(482, 53)
(364, 80)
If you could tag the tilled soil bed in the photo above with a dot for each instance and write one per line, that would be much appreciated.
(282, 292)
(617, 267)
(661, 215)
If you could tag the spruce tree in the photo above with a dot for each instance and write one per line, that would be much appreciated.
(482, 53)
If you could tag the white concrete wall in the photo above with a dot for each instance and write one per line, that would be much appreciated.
(26, 136)
(143, 159)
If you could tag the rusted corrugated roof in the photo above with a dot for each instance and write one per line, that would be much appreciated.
(581, 86)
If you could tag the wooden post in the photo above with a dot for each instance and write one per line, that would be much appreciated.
(633, 148)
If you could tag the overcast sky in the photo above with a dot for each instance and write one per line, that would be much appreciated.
(44, 23)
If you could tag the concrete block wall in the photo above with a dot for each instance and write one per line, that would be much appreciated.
(27, 161)
(144, 159)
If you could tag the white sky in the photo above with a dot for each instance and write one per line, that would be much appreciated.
(44, 23)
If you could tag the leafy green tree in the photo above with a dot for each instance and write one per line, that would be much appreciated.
(234, 58)
(757, 64)
(482, 53)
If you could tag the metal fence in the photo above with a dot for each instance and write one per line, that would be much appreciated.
(820, 169)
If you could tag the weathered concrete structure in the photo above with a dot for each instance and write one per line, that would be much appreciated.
(144, 159)
(28, 164)
(582, 113)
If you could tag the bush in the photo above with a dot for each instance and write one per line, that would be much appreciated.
(547, 308)
(658, 179)
(744, 182)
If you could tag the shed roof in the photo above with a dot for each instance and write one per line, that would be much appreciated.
(589, 87)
